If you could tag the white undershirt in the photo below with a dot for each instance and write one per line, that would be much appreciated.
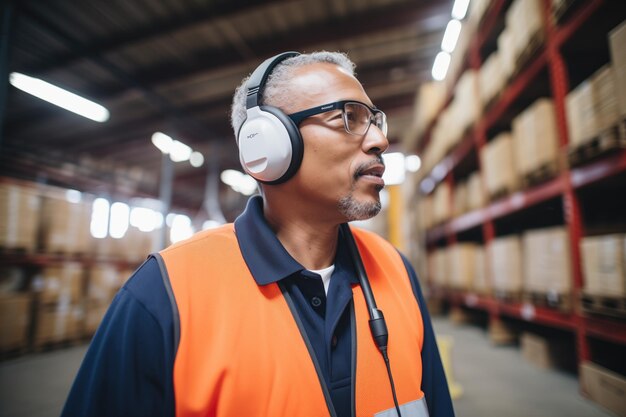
(325, 274)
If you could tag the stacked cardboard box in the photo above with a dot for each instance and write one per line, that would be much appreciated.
(498, 165)
(506, 53)
(104, 281)
(438, 267)
(442, 204)
(475, 193)
(15, 311)
(492, 78)
(59, 312)
(524, 20)
(547, 261)
(604, 386)
(65, 225)
(604, 265)
(460, 198)
(546, 352)
(425, 212)
(462, 258)
(94, 313)
(19, 217)
(505, 263)
(617, 41)
(592, 107)
(535, 137)
(481, 281)
(430, 100)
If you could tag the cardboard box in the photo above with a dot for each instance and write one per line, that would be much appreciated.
(605, 103)
(605, 387)
(460, 199)
(442, 204)
(505, 262)
(65, 224)
(94, 314)
(617, 44)
(498, 164)
(481, 282)
(56, 323)
(506, 52)
(14, 320)
(439, 267)
(604, 265)
(462, 265)
(492, 78)
(546, 353)
(103, 282)
(535, 137)
(19, 217)
(61, 284)
(475, 192)
(547, 261)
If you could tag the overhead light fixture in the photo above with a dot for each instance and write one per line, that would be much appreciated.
(451, 36)
(440, 66)
(177, 150)
(459, 10)
(59, 97)
(238, 181)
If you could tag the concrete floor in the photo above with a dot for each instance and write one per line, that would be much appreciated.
(496, 381)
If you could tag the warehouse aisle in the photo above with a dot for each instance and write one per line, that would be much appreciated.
(496, 381)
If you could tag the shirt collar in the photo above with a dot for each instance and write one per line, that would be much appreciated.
(266, 257)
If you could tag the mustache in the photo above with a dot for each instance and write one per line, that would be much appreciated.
(366, 165)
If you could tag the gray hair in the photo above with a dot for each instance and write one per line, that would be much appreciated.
(277, 88)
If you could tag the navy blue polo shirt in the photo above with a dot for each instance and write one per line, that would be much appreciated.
(128, 368)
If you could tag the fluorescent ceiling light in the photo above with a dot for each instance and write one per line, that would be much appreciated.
(59, 97)
(440, 66)
(179, 151)
(459, 10)
(162, 141)
(451, 36)
(196, 159)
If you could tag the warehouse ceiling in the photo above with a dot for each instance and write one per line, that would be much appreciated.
(172, 66)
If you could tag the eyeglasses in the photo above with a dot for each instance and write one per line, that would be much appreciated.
(357, 116)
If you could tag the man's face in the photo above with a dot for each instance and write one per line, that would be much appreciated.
(340, 172)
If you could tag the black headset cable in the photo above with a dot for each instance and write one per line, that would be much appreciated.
(378, 327)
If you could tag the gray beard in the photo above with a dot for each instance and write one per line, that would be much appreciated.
(353, 210)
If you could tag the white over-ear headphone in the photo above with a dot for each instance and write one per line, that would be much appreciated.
(270, 145)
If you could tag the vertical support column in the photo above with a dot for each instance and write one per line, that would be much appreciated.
(559, 84)
(395, 214)
(165, 194)
(6, 19)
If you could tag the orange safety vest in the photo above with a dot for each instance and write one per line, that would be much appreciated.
(242, 354)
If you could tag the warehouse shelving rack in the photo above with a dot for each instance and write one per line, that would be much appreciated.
(548, 65)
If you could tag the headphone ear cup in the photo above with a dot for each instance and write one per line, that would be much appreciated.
(270, 145)
(295, 139)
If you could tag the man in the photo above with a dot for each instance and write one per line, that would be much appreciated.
(267, 316)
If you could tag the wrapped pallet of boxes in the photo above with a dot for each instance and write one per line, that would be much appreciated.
(59, 313)
(505, 262)
(430, 100)
(535, 140)
(65, 224)
(15, 313)
(475, 193)
(19, 217)
(604, 265)
(103, 282)
(441, 203)
(579, 111)
(462, 265)
(466, 101)
(498, 165)
(617, 42)
(547, 263)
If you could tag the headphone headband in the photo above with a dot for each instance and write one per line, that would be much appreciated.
(256, 82)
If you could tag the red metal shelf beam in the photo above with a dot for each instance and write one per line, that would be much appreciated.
(597, 171)
(610, 330)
